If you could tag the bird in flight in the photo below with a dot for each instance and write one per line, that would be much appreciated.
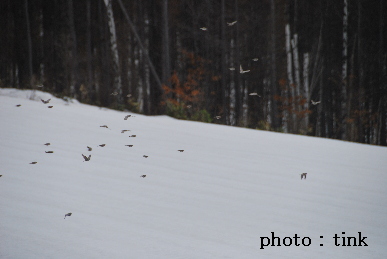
(255, 59)
(303, 175)
(104, 126)
(231, 23)
(145, 156)
(129, 145)
(123, 131)
(102, 145)
(50, 106)
(232, 68)
(143, 176)
(315, 102)
(242, 71)
(49, 152)
(89, 148)
(129, 95)
(218, 117)
(18, 105)
(114, 93)
(181, 150)
(254, 94)
(32, 163)
(203, 28)
(87, 158)
(133, 136)
(47, 144)
(67, 215)
(45, 102)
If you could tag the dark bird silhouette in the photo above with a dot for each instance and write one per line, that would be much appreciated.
(32, 163)
(49, 152)
(181, 150)
(45, 102)
(104, 126)
(132, 136)
(89, 148)
(47, 144)
(1, 175)
(50, 106)
(18, 105)
(87, 158)
(129, 145)
(67, 215)
(303, 175)
(123, 131)
(143, 176)
(128, 116)
(145, 156)
(102, 145)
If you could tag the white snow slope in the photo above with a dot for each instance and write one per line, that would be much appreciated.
(220, 198)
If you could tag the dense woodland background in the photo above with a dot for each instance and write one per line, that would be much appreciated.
(154, 57)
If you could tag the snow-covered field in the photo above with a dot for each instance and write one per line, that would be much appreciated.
(220, 198)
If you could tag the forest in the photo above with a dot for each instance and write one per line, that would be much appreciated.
(310, 67)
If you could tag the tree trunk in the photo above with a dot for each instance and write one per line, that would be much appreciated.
(30, 71)
(223, 64)
(344, 74)
(273, 79)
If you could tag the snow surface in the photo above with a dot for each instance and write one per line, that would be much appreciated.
(230, 187)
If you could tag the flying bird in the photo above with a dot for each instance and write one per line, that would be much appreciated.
(1, 175)
(143, 176)
(231, 23)
(255, 59)
(50, 106)
(87, 158)
(127, 116)
(104, 126)
(303, 175)
(67, 215)
(254, 94)
(189, 106)
(232, 68)
(132, 136)
(102, 145)
(203, 28)
(89, 148)
(315, 102)
(49, 152)
(181, 150)
(45, 102)
(242, 71)
(47, 144)
(18, 105)
(129, 145)
(32, 163)
(145, 156)
(123, 131)
(114, 93)
(129, 95)
(218, 117)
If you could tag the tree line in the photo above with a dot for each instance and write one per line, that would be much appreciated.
(313, 67)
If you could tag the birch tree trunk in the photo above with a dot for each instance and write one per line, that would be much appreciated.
(114, 50)
(306, 90)
(290, 80)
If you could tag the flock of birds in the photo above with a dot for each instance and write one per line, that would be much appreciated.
(87, 158)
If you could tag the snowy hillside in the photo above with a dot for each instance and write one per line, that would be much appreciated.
(220, 198)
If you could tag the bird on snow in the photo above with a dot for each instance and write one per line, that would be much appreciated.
(315, 102)
(203, 28)
(303, 175)
(18, 105)
(181, 150)
(104, 126)
(47, 144)
(231, 23)
(143, 176)
(45, 102)
(50, 106)
(86, 158)
(129, 145)
(254, 94)
(242, 71)
(102, 145)
(123, 131)
(132, 136)
(49, 152)
(89, 148)
(67, 215)
(145, 156)
(32, 163)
